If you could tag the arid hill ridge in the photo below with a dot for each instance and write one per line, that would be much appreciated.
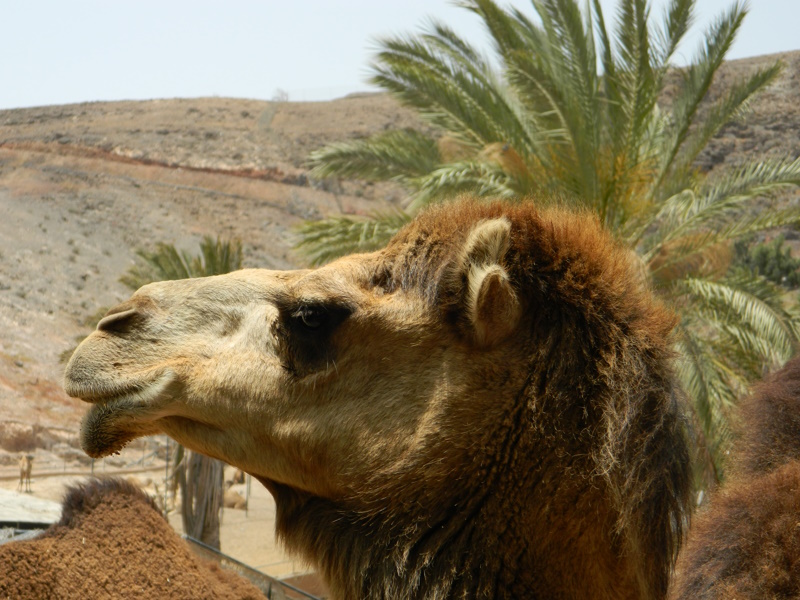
(83, 186)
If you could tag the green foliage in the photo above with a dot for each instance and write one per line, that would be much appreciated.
(772, 260)
(577, 112)
(166, 262)
(325, 239)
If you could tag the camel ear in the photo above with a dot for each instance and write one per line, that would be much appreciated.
(492, 306)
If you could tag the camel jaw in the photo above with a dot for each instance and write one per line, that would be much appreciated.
(120, 416)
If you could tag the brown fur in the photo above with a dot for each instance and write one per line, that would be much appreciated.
(746, 543)
(112, 542)
(485, 409)
(769, 420)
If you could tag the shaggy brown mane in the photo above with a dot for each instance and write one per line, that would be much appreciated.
(592, 271)
(586, 292)
(746, 543)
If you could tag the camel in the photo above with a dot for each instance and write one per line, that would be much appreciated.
(746, 543)
(112, 542)
(238, 476)
(25, 468)
(485, 408)
(233, 499)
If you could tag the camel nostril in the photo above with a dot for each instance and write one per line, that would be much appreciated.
(116, 321)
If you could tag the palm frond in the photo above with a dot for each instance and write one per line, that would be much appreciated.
(667, 251)
(495, 96)
(435, 75)
(167, 263)
(722, 207)
(679, 16)
(634, 80)
(697, 79)
(635, 70)
(162, 264)
(478, 178)
(218, 257)
(749, 180)
(569, 83)
(327, 239)
(749, 309)
(712, 398)
(732, 332)
(398, 155)
(530, 72)
(510, 33)
(731, 106)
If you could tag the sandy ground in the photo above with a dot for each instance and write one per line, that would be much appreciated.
(247, 536)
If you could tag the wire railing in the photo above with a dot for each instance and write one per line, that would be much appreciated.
(274, 589)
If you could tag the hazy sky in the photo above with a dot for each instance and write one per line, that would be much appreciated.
(64, 51)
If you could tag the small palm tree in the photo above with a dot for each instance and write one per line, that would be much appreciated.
(199, 477)
(578, 113)
(166, 262)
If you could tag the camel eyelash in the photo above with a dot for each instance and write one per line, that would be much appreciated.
(317, 316)
(311, 317)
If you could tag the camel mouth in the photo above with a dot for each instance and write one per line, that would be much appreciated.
(99, 391)
(118, 416)
(93, 394)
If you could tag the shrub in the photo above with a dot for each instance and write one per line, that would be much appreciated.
(772, 260)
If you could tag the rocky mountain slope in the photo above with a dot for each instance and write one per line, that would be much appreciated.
(83, 186)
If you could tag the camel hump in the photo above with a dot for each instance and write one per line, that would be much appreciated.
(746, 542)
(82, 498)
(112, 542)
(769, 419)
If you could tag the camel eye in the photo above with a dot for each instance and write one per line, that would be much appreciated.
(311, 317)
(305, 332)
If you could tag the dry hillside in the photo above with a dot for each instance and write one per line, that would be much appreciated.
(83, 186)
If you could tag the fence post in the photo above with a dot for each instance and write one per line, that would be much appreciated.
(247, 495)
(166, 477)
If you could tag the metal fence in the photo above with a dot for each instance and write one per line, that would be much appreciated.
(274, 589)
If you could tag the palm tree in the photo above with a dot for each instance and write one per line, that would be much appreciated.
(216, 257)
(199, 477)
(578, 113)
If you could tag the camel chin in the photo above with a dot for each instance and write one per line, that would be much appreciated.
(115, 420)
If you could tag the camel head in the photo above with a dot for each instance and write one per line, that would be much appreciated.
(485, 403)
(308, 378)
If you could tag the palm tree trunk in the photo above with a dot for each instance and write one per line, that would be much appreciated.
(201, 498)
